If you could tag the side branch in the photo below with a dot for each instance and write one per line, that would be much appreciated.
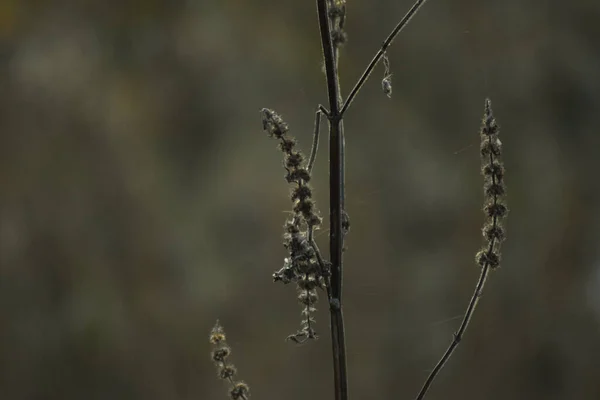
(411, 13)
(315, 142)
(493, 232)
(458, 335)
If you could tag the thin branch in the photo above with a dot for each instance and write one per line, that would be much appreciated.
(323, 268)
(495, 209)
(336, 203)
(411, 13)
(458, 335)
(315, 142)
(311, 161)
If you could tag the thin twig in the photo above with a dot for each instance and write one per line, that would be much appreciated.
(411, 13)
(311, 162)
(336, 192)
(494, 232)
(458, 335)
(315, 142)
(323, 268)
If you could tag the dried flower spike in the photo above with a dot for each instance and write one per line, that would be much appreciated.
(494, 190)
(225, 370)
(337, 16)
(304, 265)
(495, 210)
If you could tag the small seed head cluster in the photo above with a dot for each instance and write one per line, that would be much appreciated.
(225, 370)
(386, 82)
(494, 191)
(302, 265)
(337, 15)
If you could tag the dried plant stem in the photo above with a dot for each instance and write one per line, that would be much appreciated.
(311, 162)
(459, 334)
(336, 203)
(489, 257)
(315, 142)
(405, 20)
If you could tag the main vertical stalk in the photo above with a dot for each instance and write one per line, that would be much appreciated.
(336, 204)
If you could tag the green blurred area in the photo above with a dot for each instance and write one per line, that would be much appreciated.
(140, 199)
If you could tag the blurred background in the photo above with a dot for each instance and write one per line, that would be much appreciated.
(140, 199)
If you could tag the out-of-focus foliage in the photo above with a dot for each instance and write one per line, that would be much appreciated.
(140, 199)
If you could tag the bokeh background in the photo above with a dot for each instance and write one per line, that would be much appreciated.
(140, 199)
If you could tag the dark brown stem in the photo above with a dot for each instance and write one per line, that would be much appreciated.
(336, 203)
(458, 335)
(411, 13)
(315, 142)
(466, 319)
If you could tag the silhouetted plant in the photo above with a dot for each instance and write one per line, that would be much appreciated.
(493, 232)
(305, 265)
